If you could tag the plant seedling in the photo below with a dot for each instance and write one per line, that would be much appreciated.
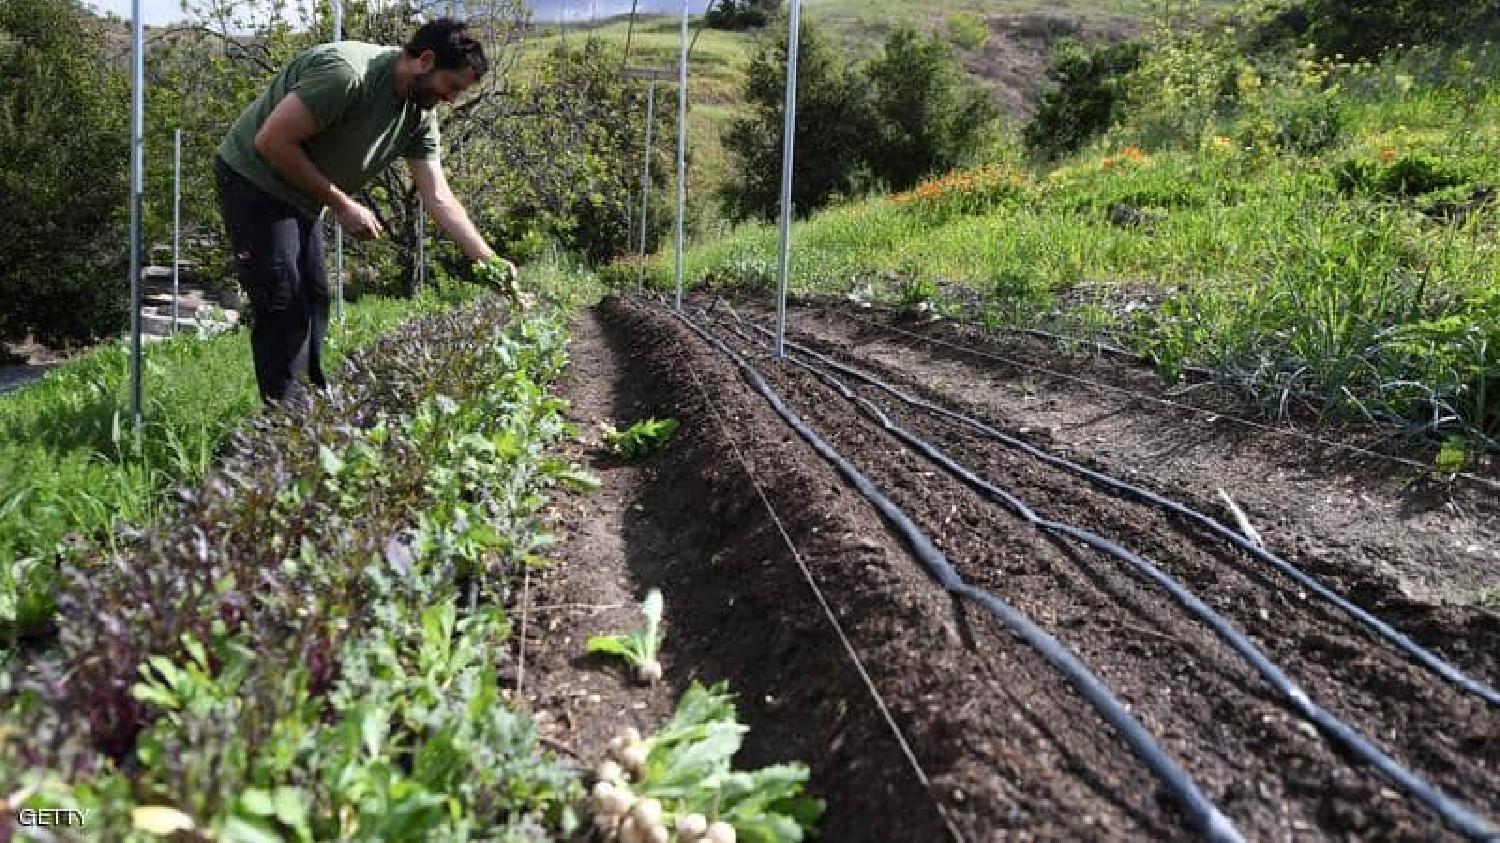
(639, 439)
(639, 649)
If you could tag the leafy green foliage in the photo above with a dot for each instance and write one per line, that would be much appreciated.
(932, 119)
(72, 469)
(967, 30)
(740, 14)
(688, 768)
(285, 657)
(1087, 89)
(64, 127)
(908, 113)
(640, 439)
(836, 122)
(1365, 28)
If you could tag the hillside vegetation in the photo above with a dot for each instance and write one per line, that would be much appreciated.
(1311, 226)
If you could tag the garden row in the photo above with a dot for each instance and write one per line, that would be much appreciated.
(1313, 227)
(313, 644)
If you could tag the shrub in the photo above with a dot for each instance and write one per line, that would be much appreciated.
(63, 271)
(836, 124)
(1087, 88)
(967, 30)
(1365, 28)
(931, 118)
(1413, 174)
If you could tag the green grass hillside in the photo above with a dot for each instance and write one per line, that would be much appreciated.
(1315, 228)
(1003, 44)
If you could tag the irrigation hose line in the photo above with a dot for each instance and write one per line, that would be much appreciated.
(838, 628)
(1450, 811)
(1317, 440)
(1395, 637)
(1200, 810)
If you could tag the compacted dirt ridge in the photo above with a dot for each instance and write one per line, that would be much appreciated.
(1011, 751)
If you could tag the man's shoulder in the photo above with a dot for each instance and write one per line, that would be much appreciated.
(360, 55)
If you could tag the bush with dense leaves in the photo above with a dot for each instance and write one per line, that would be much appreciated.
(1365, 28)
(1088, 85)
(63, 126)
(907, 114)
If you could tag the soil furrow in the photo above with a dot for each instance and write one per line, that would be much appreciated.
(1107, 628)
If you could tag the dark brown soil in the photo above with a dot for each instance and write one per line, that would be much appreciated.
(1011, 751)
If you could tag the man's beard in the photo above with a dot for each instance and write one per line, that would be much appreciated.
(422, 91)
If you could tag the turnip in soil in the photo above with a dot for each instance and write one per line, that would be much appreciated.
(639, 649)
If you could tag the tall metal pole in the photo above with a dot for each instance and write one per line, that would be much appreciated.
(681, 143)
(137, 187)
(176, 222)
(338, 230)
(788, 138)
(640, 271)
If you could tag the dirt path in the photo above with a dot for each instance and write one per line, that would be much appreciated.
(1010, 750)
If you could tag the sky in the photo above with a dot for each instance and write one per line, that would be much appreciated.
(160, 12)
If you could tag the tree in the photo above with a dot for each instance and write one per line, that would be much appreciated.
(836, 123)
(64, 165)
(931, 117)
(1087, 86)
(741, 14)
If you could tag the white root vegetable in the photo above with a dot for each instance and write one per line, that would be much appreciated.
(613, 799)
(609, 771)
(607, 825)
(632, 735)
(657, 834)
(630, 832)
(649, 672)
(646, 812)
(691, 827)
(719, 832)
(633, 758)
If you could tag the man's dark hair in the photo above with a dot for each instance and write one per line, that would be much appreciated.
(449, 41)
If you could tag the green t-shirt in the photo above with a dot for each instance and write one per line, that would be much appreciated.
(350, 87)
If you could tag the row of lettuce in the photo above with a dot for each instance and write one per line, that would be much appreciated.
(1308, 227)
(312, 644)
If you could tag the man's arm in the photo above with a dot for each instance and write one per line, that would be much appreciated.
(279, 141)
(447, 210)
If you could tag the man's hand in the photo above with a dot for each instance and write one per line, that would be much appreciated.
(501, 274)
(358, 220)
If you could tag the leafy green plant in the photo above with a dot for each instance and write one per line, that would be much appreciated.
(967, 30)
(683, 776)
(640, 439)
(639, 648)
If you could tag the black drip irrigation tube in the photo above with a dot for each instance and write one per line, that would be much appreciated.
(1200, 810)
(1455, 814)
(1397, 638)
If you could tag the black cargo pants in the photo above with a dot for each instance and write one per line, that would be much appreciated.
(278, 253)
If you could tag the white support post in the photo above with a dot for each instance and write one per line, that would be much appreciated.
(176, 224)
(681, 143)
(137, 187)
(640, 272)
(788, 143)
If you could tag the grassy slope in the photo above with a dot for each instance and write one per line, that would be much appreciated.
(1271, 269)
(1010, 60)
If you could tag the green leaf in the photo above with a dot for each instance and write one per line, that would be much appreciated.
(613, 645)
(238, 829)
(257, 802)
(332, 463)
(291, 806)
